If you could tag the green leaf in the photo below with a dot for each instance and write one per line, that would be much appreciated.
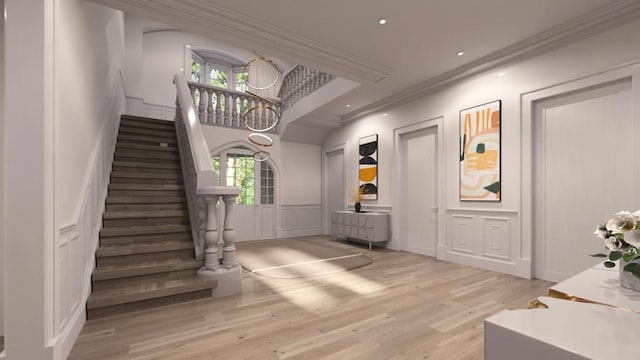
(636, 274)
(615, 255)
(609, 264)
(633, 267)
(598, 255)
(619, 236)
(628, 257)
(638, 225)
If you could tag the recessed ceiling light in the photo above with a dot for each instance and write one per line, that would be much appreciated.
(501, 73)
(385, 114)
(348, 105)
(181, 69)
(460, 53)
(188, 46)
(382, 21)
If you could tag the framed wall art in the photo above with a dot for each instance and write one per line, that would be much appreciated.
(480, 153)
(368, 167)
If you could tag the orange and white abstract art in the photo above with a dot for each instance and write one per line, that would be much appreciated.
(480, 152)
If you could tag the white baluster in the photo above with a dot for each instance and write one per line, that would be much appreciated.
(209, 106)
(211, 260)
(219, 119)
(202, 105)
(229, 233)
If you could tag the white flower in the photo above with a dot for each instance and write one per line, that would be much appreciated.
(602, 232)
(612, 243)
(621, 222)
(636, 215)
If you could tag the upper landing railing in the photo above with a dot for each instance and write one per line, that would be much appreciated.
(224, 107)
(299, 82)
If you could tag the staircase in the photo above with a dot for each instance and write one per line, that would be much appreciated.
(146, 256)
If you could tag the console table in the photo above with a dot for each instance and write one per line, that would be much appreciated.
(588, 316)
(372, 227)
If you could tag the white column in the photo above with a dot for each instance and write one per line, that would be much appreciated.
(29, 176)
(229, 233)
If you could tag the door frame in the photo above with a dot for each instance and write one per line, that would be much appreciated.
(398, 170)
(277, 181)
(525, 263)
(326, 217)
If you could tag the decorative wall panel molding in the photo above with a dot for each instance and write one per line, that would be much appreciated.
(496, 236)
(300, 220)
(484, 239)
(462, 239)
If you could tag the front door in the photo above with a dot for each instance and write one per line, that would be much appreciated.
(254, 212)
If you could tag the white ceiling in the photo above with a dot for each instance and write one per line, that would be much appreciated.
(415, 49)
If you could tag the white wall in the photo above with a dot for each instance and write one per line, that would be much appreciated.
(301, 175)
(589, 56)
(90, 56)
(2, 269)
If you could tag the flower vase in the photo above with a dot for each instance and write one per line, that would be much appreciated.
(627, 279)
(358, 206)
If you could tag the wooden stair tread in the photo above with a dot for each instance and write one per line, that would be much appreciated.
(142, 247)
(142, 175)
(142, 238)
(143, 138)
(144, 164)
(146, 154)
(146, 119)
(144, 214)
(144, 187)
(168, 132)
(139, 268)
(143, 230)
(145, 199)
(146, 290)
(133, 146)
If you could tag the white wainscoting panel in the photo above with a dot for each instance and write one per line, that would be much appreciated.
(484, 238)
(496, 235)
(462, 231)
(300, 220)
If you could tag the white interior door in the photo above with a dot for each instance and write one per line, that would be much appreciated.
(583, 173)
(336, 196)
(419, 215)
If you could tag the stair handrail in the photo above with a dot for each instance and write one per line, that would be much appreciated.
(203, 192)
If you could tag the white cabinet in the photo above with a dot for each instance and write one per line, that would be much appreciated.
(372, 227)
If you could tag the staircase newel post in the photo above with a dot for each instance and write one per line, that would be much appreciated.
(229, 233)
(211, 259)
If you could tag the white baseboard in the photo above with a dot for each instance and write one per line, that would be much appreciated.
(505, 267)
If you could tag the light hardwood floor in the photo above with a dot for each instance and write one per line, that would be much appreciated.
(402, 306)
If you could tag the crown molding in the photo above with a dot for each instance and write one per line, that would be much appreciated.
(203, 17)
(594, 22)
